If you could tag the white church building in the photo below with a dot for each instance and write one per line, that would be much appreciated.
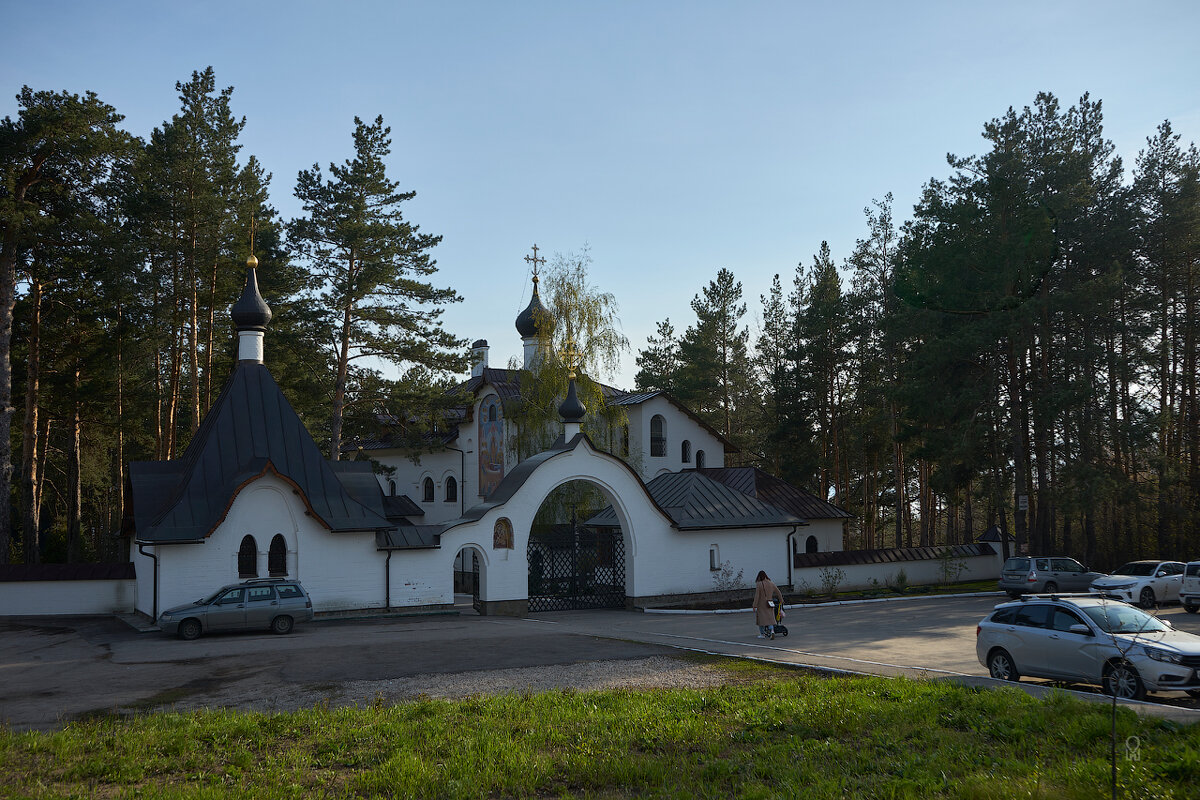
(252, 496)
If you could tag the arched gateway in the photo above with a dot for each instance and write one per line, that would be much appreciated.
(505, 521)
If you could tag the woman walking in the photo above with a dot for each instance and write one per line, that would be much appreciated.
(764, 615)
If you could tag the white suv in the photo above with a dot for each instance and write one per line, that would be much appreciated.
(1147, 583)
(1088, 639)
(1189, 593)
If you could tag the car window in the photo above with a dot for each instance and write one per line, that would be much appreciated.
(1066, 565)
(1004, 616)
(259, 593)
(232, 596)
(1136, 569)
(1016, 565)
(1120, 618)
(287, 590)
(1062, 620)
(1043, 563)
(1034, 616)
(1193, 570)
(1174, 568)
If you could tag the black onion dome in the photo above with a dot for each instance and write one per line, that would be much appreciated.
(571, 409)
(527, 319)
(250, 312)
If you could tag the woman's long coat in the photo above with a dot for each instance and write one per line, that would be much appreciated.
(764, 591)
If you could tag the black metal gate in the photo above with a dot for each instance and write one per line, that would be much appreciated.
(575, 569)
(475, 604)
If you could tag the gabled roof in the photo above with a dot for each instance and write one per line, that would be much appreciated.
(766, 487)
(695, 501)
(249, 431)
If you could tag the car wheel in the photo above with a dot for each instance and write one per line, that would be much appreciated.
(1191, 609)
(1146, 598)
(281, 625)
(1051, 588)
(1001, 666)
(1122, 680)
(1193, 692)
(189, 629)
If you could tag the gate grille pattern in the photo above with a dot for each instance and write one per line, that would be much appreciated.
(478, 606)
(578, 569)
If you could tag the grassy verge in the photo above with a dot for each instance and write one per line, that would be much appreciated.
(769, 733)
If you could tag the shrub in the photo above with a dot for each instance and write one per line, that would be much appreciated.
(724, 579)
(831, 579)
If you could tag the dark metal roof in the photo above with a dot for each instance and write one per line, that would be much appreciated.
(249, 431)
(633, 399)
(527, 320)
(993, 534)
(409, 537)
(777, 492)
(66, 572)
(696, 502)
(835, 558)
(401, 505)
(250, 312)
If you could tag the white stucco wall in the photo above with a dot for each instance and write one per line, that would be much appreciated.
(35, 598)
(339, 571)
(828, 533)
(678, 427)
(917, 573)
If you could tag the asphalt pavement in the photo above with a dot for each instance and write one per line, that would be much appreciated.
(53, 670)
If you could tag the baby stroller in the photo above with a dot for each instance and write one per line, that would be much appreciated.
(778, 628)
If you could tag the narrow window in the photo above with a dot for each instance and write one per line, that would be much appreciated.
(658, 436)
(685, 452)
(428, 491)
(492, 413)
(277, 557)
(248, 558)
(699, 459)
(451, 490)
(810, 544)
(392, 488)
(714, 559)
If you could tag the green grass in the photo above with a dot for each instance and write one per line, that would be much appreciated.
(768, 733)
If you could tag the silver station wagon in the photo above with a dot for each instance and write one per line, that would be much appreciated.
(1088, 639)
(1049, 574)
(274, 604)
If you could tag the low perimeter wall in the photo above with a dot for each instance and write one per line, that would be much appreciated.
(879, 568)
(46, 589)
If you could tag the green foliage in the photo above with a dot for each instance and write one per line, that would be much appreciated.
(771, 733)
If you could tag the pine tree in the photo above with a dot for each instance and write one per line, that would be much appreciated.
(371, 266)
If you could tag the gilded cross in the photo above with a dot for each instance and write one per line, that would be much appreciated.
(572, 357)
(536, 262)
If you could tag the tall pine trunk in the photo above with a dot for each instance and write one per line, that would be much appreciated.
(29, 440)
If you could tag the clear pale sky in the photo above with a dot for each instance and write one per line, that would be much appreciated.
(674, 138)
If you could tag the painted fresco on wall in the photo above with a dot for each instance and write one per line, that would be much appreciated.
(491, 445)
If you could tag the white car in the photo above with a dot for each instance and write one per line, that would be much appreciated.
(1088, 639)
(1147, 583)
(1189, 593)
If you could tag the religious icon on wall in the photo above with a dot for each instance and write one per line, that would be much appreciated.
(502, 534)
(491, 445)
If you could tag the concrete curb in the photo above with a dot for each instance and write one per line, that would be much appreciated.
(823, 605)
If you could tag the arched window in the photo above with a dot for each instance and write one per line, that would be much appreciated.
(451, 490)
(685, 452)
(492, 413)
(277, 557)
(810, 544)
(248, 558)
(699, 459)
(658, 436)
(392, 488)
(427, 495)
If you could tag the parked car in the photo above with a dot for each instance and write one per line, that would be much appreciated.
(274, 604)
(1088, 639)
(1024, 575)
(1189, 590)
(1147, 583)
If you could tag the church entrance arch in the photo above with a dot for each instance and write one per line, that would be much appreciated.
(574, 564)
(468, 569)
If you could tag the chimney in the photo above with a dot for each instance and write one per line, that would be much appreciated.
(479, 357)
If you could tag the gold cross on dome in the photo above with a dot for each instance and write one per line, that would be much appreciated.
(536, 262)
(572, 357)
